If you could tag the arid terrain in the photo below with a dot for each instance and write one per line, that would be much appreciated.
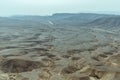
(60, 47)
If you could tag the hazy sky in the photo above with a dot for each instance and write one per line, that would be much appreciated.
(45, 7)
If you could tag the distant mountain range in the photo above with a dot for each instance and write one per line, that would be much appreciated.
(63, 19)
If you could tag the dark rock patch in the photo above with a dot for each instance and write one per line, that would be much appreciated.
(69, 70)
(19, 65)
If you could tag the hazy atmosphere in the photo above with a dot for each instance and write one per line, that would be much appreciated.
(46, 7)
(59, 40)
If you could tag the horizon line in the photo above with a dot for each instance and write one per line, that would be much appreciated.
(104, 13)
